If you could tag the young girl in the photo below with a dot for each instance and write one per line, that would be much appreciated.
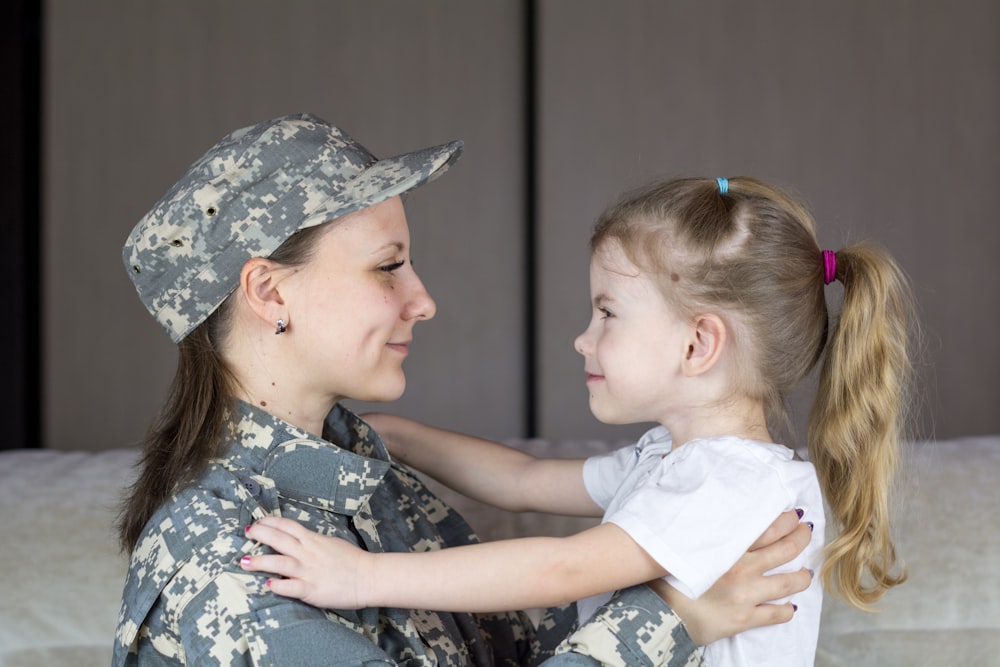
(708, 308)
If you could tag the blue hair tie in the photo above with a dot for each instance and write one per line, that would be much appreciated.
(723, 185)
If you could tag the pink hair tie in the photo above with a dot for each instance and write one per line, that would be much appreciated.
(829, 266)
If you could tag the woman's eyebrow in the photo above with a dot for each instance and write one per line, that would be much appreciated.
(397, 245)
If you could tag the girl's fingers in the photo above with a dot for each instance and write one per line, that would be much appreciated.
(292, 588)
(288, 526)
(272, 563)
(275, 535)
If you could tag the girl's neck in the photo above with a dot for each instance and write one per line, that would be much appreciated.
(744, 419)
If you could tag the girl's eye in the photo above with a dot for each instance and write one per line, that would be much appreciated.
(389, 268)
(605, 313)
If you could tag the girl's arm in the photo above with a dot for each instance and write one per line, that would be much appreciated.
(487, 471)
(496, 576)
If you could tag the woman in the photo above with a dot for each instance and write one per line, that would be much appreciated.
(279, 263)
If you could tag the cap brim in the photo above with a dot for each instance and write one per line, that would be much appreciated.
(385, 179)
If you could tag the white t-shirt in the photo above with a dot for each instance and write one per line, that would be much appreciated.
(696, 510)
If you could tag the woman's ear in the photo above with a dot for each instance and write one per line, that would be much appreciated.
(259, 282)
(705, 344)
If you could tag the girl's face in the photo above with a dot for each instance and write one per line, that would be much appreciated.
(352, 308)
(634, 344)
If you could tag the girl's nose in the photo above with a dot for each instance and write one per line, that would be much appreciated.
(581, 344)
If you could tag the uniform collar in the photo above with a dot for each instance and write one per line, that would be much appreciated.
(338, 472)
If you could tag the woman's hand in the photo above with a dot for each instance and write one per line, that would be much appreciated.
(326, 572)
(738, 601)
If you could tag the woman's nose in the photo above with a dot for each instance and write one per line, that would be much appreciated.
(420, 304)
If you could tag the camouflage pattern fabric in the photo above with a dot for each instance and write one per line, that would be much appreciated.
(187, 601)
(641, 632)
(245, 197)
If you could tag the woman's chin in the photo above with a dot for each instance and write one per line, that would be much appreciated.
(385, 394)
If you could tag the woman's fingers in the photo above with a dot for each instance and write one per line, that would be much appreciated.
(770, 614)
(777, 586)
(783, 525)
(784, 550)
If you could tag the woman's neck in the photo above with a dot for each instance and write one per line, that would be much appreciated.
(277, 405)
(263, 386)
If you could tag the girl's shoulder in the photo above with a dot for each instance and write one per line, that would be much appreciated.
(737, 453)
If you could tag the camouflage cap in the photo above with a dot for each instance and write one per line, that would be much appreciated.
(245, 197)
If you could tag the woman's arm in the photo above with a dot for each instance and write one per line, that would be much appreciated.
(487, 471)
(740, 599)
(638, 628)
(496, 576)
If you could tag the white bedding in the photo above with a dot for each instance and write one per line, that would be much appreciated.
(62, 573)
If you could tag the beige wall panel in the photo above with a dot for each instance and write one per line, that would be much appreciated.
(135, 91)
(885, 116)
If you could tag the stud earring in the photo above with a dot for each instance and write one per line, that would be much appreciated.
(280, 327)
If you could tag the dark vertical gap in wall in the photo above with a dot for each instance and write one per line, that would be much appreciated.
(20, 69)
(530, 223)
(34, 105)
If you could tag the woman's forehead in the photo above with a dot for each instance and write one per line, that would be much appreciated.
(375, 227)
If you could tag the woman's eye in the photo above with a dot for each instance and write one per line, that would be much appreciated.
(389, 268)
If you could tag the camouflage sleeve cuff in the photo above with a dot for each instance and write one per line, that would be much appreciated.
(635, 628)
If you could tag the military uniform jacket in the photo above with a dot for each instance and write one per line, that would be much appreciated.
(187, 601)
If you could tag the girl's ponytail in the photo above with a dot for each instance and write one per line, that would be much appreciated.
(857, 422)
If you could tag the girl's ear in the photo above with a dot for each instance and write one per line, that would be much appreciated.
(705, 345)
(259, 281)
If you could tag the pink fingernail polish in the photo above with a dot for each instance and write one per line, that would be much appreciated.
(247, 529)
(245, 560)
(268, 583)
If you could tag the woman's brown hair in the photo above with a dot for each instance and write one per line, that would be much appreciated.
(192, 426)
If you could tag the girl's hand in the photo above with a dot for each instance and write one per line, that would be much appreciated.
(326, 572)
(738, 600)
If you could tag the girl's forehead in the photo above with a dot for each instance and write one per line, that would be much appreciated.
(610, 257)
(613, 276)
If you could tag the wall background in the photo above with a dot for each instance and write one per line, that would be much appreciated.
(884, 116)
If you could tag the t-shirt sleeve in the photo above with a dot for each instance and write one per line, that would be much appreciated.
(701, 509)
(603, 474)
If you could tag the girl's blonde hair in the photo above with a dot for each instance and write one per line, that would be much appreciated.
(750, 255)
